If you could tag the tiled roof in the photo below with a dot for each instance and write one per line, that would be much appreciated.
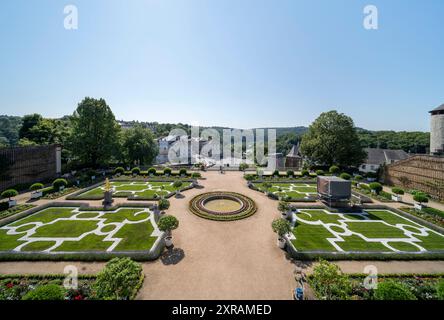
(381, 156)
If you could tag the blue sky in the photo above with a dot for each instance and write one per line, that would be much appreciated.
(237, 63)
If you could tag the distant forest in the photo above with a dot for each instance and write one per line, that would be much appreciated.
(413, 142)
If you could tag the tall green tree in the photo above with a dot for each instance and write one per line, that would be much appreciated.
(332, 139)
(139, 145)
(94, 132)
(28, 122)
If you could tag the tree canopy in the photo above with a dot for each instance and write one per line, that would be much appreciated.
(94, 135)
(139, 145)
(332, 139)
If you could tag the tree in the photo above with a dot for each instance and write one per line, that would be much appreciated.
(329, 282)
(118, 280)
(28, 122)
(281, 227)
(391, 290)
(94, 136)
(332, 139)
(420, 197)
(139, 145)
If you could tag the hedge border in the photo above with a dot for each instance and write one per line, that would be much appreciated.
(224, 218)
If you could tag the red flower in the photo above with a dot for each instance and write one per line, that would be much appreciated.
(79, 297)
(10, 285)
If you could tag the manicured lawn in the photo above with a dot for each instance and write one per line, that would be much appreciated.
(369, 231)
(292, 190)
(125, 229)
(136, 190)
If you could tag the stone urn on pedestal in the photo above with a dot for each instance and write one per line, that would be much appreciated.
(108, 194)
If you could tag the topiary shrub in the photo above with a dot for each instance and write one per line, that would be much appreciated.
(50, 292)
(152, 171)
(243, 166)
(167, 171)
(119, 170)
(168, 223)
(359, 178)
(276, 173)
(177, 184)
(283, 206)
(118, 280)
(266, 185)
(196, 175)
(10, 193)
(163, 204)
(334, 170)
(345, 176)
(290, 173)
(364, 187)
(183, 172)
(281, 227)
(36, 186)
(399, 191)
(391, 290)
(59, 183)
(376, 187)
(135, 171)
(420, 197)
(320, 172)
(305, 173)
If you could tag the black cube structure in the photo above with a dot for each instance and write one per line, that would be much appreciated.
(334, 190)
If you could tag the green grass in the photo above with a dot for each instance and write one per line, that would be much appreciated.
(46, 216)
(92, 242)
(65, 229)
(135, 237)
(299, 190)
(380, 227)
(9, 242)
(38, 246)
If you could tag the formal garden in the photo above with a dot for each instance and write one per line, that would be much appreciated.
(84, 233)
(287, 191)
(136, 190)
(382, 233)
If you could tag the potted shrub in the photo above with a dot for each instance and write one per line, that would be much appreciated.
(320, 172)
(420, 198)
(345, 176)
(398, 192)
(243, 166)
(183, 172)
(371, 176)
(163, 204)
(358, 178)
(36, 189)
(119, 171)
(281, 227)
(167, 224)
(276, 173)
(375, 187)
(305, 173)
(334, 170)
(135, 171)
(10, 193)
(177, 184)
(59, 184)
(285, 209)
(167, 172)
(151, 172)
(290, 173)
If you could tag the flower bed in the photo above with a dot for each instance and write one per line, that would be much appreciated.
(14, 210)
(198, 206)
